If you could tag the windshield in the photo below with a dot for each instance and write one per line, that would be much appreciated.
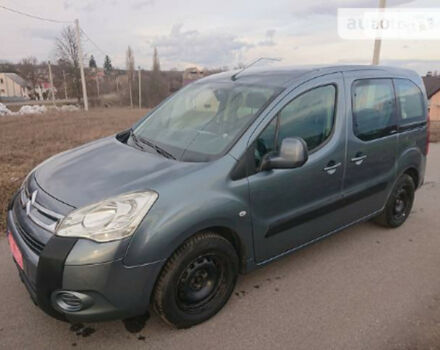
(202, 120)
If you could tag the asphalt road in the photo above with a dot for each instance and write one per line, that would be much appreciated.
(364, 288)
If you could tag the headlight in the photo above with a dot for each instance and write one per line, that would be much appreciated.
(108, 220)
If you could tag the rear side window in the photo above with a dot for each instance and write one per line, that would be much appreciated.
(374, 108)
(411, 101)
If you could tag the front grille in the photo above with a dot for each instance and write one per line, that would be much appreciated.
(29, 202)
(35, 222)
(34, 244)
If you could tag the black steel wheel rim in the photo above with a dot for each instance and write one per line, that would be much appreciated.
(401, 202)
(200, 281)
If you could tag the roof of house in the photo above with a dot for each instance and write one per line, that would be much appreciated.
(45, 85)
(15, 77)
(432, 85)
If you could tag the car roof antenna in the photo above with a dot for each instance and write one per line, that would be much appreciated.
(234, 77)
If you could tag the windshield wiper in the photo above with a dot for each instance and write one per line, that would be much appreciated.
(157, 148)
(142, 141)
(137, 142)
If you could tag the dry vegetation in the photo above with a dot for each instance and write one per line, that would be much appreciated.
(25, 141)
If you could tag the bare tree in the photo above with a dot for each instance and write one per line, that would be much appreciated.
(8, 67)
(28, 68)
(158, 87)
(67, 52)
(130, 72)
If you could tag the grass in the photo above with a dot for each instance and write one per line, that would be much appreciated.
(26, 141)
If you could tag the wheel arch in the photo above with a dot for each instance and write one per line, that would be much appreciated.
(231, 235)
(414, 174)
(234, 238)
(412, 162)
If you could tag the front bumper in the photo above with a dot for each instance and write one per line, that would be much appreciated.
(117, 291)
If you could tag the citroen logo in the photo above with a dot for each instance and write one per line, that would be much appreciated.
(31, 202)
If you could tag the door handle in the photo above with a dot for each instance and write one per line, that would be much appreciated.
(359, 158)
(331, 167)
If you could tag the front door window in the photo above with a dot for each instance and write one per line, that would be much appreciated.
(309, 116)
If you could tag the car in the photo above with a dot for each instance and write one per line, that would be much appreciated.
(232, 172)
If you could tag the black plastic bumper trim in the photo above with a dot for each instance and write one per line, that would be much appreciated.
(50, 272)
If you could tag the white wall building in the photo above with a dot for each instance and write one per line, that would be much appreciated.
(13, 86)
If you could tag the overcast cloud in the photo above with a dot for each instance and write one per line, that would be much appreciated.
(207, 33)
(208, 49)
(330, 7)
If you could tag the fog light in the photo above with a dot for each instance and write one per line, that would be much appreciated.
(67, 301)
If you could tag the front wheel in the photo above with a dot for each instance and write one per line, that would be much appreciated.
(196, 281)
(399, 203)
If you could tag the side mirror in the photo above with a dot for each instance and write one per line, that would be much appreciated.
(293, 154)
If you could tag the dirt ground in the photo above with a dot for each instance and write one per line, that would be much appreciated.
(435, 131)
(26, 141)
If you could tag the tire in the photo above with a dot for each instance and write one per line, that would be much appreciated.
(197, 280)
(399, 203)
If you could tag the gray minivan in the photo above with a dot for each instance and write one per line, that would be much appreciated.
(232, 172)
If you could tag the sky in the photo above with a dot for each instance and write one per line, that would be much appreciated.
(208, 33)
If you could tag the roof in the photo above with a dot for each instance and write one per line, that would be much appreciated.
(432, 85)
(45, 85)
(284, 76)
(15, 77)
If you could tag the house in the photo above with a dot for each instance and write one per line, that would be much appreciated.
(191, 74)
(432, 84)
(13, 87)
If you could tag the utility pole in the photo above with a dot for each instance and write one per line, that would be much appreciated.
(97, 83)
(51, 83)
(117, 84)
(140, 94)
(378, 41)
(81, 67)
(65, 85)
(130, 83)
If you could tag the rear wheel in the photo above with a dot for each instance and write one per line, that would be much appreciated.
(399, 204)
(196, 281)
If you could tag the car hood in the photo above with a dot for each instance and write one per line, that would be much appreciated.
(103, 169)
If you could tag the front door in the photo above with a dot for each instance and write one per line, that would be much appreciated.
(291, 207)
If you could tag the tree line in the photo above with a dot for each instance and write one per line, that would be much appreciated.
(105, 84)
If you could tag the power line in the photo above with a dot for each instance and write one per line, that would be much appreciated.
(93, 43)
(53, 21)
(32, 16)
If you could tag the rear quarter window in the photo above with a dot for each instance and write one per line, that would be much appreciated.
(411, 102)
